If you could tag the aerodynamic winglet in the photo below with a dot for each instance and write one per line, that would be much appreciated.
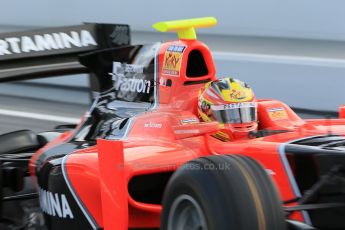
(185, 28)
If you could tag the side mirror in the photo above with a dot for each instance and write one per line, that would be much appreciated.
(342, 111)
(195, 129)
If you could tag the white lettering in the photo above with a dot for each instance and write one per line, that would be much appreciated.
(234, 106)
(50, 212)
(42, 200)
(4, 48)
(86, 38)
(189, 121)
(134, 86)
(125, 87)
(58, 40)
(116, 68)
(55, 204)
(14, 44)
(28, 45)
(140, 86)
(127, 84)
(45, 42)
(153, 125)
(131, 85)
(68, 40)
(148, 87)
(66, 210)
(131, 68)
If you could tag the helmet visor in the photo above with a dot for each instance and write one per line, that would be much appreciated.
(235, 113)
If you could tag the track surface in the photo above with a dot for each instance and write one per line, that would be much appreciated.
(38, 114)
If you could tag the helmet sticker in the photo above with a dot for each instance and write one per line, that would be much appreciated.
(237, 94)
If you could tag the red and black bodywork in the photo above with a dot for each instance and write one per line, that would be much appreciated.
(111, 171)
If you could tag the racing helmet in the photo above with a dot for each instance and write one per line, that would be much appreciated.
(232, 103)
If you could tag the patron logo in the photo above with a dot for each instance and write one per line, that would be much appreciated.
(44, 42)
(55, 204)
(129, 78)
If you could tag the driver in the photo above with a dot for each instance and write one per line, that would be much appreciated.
(232, 103)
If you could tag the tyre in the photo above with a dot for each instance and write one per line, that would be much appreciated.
(222, 192)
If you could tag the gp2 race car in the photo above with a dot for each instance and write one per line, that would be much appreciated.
(141, 159)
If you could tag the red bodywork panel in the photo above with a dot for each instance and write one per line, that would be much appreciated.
(170, 135)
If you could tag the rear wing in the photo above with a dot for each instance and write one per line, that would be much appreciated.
(54, 51)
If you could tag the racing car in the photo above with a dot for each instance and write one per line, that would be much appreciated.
(141, 157)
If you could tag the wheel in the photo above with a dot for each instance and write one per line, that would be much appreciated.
(221, 192)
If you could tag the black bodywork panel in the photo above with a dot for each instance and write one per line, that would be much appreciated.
(318, 165)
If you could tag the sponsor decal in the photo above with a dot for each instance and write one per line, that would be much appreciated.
(187, 131)
(129, 78)
(153, 125)
(121, 69)
(172, 60)
(55, 204)
(237, 94)
(45, 42)
(191, 120)
(120, 35)
(277, 113)
(233, 106)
